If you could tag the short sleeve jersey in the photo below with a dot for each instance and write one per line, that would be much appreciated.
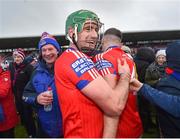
(81, 117)
(130, 125)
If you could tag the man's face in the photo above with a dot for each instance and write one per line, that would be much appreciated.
(161, 59)
(87, 38)
(17, 59)
(49, 53)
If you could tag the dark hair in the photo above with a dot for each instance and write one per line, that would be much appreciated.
(114, 31)
(145, 54)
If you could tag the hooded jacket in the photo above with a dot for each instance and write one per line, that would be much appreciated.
(7, 102)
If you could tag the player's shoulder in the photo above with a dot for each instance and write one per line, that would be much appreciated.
(69, 55)
(101, 56)
(74, 53)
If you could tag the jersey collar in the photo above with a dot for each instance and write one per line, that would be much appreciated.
(115, 46)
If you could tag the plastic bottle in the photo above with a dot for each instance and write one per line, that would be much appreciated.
(48, 107)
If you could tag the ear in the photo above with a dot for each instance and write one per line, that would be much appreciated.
(70, 32)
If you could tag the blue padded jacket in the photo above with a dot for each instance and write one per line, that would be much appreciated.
(42, 78)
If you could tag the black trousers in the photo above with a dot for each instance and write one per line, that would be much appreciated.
(7, 134)
(27, 120)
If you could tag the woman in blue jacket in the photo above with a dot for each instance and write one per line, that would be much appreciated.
(36, 94)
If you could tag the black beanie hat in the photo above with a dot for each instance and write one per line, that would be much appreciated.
(173, 55)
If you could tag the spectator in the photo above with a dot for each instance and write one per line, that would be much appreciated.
(167, 96)
(35, 93)
(2, 57)
(83, 94)
(3, 61)
(154, 73)
(21, 71)
(10, 117)
(156, 70)
(143, 58)
(32, 60)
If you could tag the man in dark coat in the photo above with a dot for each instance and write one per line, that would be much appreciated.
(144, 57)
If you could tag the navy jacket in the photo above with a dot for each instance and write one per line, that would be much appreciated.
(168, 105)
(42, 78)
(168, 102)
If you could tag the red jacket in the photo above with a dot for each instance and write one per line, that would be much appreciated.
(7, 102)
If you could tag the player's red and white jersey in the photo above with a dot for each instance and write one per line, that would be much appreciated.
(81, 117)
(129, 122)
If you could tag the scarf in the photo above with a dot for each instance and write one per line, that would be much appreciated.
(17, 70)
(173, 73)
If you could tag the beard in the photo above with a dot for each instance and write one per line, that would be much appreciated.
(88, 48)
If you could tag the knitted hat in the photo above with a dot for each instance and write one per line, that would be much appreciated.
(161, 52)
(48, 39)
(173, 56)
(19, 52)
